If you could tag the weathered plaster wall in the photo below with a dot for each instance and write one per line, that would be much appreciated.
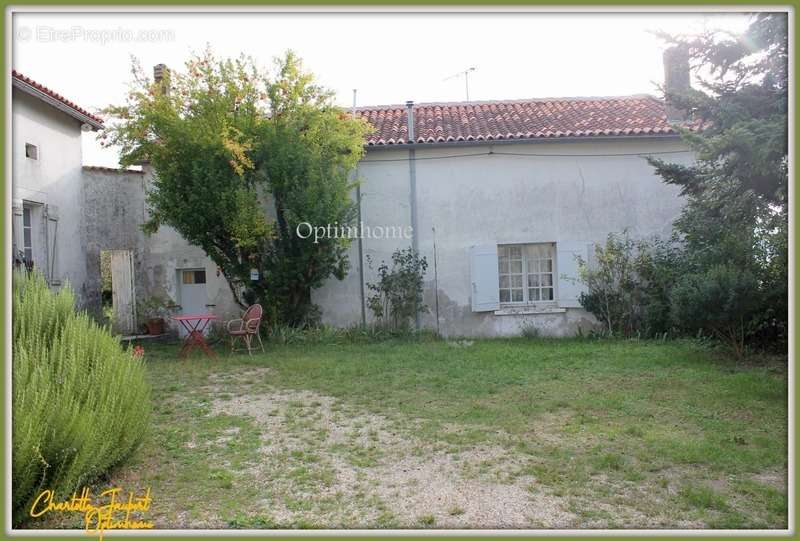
(570, 191)
(51, 184)
(112, 213)
(114, 210)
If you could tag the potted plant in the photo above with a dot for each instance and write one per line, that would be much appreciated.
(154, 309)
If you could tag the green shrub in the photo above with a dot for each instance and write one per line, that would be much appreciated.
(629, 285)
(80, 403)
(724, 299)
(396, 298)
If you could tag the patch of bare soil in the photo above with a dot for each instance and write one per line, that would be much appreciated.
(379, 472)
(775, 479)
(233, 381)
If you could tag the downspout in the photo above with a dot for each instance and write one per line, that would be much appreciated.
(360, 239)
(412, 191)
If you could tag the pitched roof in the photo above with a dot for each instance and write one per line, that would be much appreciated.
(29, 86)
(547, 118)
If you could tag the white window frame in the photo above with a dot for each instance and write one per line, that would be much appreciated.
(528, 267)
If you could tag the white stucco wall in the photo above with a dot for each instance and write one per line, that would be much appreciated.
(571, 191)
(50, 184)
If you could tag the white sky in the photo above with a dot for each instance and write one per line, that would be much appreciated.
(388, 57)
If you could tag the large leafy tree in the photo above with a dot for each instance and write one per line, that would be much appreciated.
(241, 158)
(308, 150)
(736, 217)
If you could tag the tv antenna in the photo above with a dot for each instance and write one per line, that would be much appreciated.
(465, 75)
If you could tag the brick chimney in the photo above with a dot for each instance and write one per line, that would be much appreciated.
(160, 71)
(676, 80)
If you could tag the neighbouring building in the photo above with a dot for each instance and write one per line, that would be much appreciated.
(66, 214)
(500, 196)
(47, 178)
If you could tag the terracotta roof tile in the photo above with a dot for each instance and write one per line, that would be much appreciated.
(519, 119)
(53, 94)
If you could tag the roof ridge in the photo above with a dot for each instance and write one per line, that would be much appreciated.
(638, 115)
(509, 101)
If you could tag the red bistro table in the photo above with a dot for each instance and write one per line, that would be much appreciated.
(195, 325)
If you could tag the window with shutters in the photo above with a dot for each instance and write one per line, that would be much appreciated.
(526, 273)
(27, 234)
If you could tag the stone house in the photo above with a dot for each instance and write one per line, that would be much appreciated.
(499, 196)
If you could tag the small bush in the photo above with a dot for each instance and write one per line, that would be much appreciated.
(629, 285)
(80, 403)
(397, 295)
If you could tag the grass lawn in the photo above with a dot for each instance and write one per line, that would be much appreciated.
(496, 433)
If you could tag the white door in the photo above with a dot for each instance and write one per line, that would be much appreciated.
(123, 291)
(192, 294)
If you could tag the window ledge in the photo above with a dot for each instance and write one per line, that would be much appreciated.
(528, 310)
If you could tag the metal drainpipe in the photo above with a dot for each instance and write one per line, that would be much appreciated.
(412, 192)
(360, 239)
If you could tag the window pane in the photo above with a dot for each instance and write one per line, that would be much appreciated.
(188, 277)
(28, 254)
(26, 217)
(200, 277)
(526, 272)
(26, 232)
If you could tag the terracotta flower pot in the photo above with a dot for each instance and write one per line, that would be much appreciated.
(155, 325)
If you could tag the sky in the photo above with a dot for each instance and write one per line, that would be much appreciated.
(388, 57)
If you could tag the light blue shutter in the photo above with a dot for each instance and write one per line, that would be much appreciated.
(569, 285)
(485, 281)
